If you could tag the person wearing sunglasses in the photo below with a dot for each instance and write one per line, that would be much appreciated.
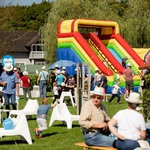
(93, 120)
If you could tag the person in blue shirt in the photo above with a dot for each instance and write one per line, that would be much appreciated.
(41, 117)
(10, 83)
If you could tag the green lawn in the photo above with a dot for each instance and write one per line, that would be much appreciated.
(57, 137)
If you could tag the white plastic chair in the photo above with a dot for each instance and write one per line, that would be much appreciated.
(30, 108)
(64, 94)
(21, 128)
(61, 113)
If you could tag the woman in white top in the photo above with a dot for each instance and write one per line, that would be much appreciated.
(131, 125)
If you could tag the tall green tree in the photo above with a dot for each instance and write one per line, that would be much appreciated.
(63, 10)
(24, 17)
(131, 15)
(136, 23)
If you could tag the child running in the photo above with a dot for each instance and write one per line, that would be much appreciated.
(41, 117)
(116, 90)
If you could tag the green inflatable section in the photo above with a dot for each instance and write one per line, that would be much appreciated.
(115, 48)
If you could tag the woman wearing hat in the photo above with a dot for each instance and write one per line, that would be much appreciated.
(131, 125)
(93, 119)
(26, 85)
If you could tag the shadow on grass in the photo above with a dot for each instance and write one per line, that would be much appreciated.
(49, 134)
(64, 125)
(11, 142)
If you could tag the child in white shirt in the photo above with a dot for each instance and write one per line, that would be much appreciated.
(55, 92)
(116, 90)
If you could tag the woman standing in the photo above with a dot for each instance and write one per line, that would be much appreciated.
(26, 85)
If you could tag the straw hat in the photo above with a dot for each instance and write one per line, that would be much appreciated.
(129, 64)
(56, 66)
(96, 69)
(8, 67)
(25, 73)
(15, 69)
(98, 91)
(43, 68)
(133, 98)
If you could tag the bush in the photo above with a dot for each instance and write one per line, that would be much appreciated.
(33, 81)
(146, 104)
(146, 98)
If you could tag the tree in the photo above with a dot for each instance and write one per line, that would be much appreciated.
(24, 17)
(134, 28)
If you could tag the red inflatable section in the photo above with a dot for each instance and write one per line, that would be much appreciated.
(82, 42)
(129, 49)
(106, 52)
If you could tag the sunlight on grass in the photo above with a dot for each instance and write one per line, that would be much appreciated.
(57, 137)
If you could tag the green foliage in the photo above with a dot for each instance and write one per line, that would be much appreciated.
(33, 81)
(146, 98)
(56, 137)
(24, 17)
(146, 104)
(134, 28)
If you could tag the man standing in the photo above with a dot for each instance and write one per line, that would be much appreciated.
(43, 79)
(93, 119)
(128, 75)
(10, 84)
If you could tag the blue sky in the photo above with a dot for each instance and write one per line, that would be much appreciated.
(20, 2)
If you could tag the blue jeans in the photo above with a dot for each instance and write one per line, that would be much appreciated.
(98, 139)
(126, 144)
(11, 97)
(42, 88)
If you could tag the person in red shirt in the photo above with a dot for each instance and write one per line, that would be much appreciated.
(26, 85)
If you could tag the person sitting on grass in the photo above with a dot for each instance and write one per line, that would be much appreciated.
(131, 125)
(41, 117)
(116, 90)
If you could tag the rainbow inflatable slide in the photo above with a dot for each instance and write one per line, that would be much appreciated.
(106, 45)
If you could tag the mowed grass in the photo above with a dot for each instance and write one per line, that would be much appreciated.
(56, 137)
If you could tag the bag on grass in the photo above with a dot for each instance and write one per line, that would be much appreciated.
(8, 124)
(143, 144)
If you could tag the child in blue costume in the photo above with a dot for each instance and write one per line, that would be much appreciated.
(41, 117)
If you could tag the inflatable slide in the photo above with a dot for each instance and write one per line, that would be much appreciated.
(96, 42)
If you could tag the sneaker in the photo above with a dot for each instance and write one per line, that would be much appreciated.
(39, 136)
(36, 131)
